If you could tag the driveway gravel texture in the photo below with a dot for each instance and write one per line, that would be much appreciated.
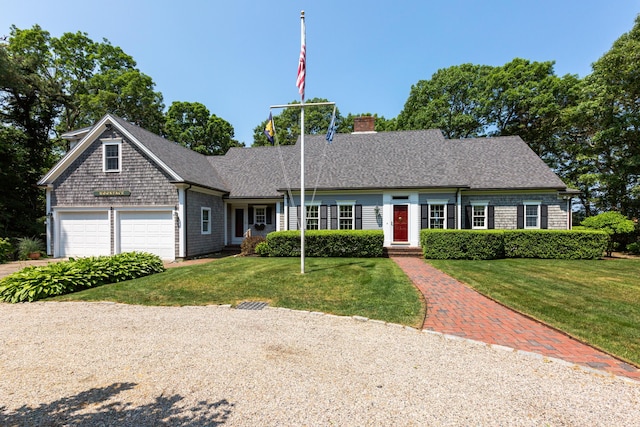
(93, 364)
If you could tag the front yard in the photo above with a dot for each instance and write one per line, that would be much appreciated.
(596, 301)
(371, 287)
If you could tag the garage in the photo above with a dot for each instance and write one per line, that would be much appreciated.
(147, 231)
(84, 234)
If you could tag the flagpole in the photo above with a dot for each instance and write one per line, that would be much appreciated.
(301, 84)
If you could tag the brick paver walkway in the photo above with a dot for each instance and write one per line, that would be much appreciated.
(456, 309)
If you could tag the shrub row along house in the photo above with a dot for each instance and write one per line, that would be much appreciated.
(121, 188)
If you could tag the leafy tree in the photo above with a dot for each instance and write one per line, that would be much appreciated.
(612, 125)
(614, 223)
(30, 101)
(190, 124)
(287, 123)
(453, 100)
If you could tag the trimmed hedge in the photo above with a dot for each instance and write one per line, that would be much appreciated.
(462, 244)
(327, 243)
(33, 283)
(495, 244)
(555, 244)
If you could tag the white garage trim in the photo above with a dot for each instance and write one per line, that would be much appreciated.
(82, 233)
(146, 230)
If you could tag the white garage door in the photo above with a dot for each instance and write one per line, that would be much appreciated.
(84, 234)
(151, 231)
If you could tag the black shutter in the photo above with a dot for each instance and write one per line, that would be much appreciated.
(358, 217)
(451, 216)
(491, 224)
(467, 217)
(323, 217)
(334, 217)
(544, 217)
(520, 222)
(269, 214)
(424, 216)
(250, 215)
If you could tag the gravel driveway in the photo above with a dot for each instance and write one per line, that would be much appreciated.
(112, 364)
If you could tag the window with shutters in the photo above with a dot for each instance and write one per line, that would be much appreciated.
(259, 215)
(479, 216)
(437, 216)
(531, 215)
(313, 217)
(345, 217)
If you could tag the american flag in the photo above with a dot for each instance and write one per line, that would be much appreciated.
(302, 62)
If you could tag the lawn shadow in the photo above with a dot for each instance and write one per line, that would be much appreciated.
(97, 407)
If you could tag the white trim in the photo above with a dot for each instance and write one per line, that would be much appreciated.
(255, 214)
(444, 213)
(49, 216)
(109, 142)
(537, 204)
(412, 200)
(93, 135)
(459, 211)
(345, 202)
(353, 214)
(485, 205)
(438, 201)
(204, 209)
(278, 215)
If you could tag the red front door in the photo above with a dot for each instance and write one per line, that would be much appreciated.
(400, 223)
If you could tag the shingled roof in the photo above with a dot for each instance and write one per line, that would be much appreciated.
(193, 168)
(387, 160)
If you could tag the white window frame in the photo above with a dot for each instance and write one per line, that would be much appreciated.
(108, 143)
(263, 214)
(443, 218)
(204, 221)
(483, 205)
(352, 204)
(315, 218)
(536, 204)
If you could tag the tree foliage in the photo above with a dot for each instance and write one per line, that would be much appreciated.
(287, 123)
(191, 125)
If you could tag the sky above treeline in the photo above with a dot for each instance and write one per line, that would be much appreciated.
(240, 57)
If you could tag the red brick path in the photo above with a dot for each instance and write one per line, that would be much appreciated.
(455, 309)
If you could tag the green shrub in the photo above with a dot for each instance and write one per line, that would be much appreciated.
(33, 283)
(262, 249)
(6, 249)
(614, 223)
(555, 244)
(327, 243)
(462, 244)
(634, 248)
(248, 245)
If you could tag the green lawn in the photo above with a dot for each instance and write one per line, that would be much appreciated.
(596, 301)
(375, 288)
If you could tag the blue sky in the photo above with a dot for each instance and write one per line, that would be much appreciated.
(239, 57)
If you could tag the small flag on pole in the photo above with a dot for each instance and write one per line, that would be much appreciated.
(332, 126)
(302, 62)
(269, 130)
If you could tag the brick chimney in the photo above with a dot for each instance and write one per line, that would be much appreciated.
(364, 124)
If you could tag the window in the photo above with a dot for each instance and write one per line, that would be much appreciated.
(205, 220)
(345, 219)
(479, 219)
(111, 154)
(313, 218)
(260, 215)
(436, 216)
(531, 216)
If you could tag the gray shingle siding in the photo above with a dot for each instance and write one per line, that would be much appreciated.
(147, 183)
(198, 243)
(505, 213)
